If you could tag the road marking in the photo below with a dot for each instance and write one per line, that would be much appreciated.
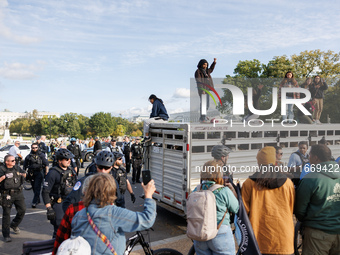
(28, 213)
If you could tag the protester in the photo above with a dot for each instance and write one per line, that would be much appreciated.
(158, 114)
(268, 197)
(318, 204)
(317, 91)
(226, 203)
(307, 119)
(109, 219)
(279, 155)
(297, 160)
(289, 82)
(64, 230)
(204, 83)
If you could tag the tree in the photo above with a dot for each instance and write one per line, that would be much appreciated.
(102, 124)
(277, 67)
(69, 124)
(248, 68)
(306, 61)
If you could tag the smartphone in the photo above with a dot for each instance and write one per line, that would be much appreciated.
(146, 175)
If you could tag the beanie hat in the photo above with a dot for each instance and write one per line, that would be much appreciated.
(266, 156)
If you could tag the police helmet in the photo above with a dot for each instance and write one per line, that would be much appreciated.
(118, 155)
(104, 158)
(219, 151)
(73, 139)
(64, 154)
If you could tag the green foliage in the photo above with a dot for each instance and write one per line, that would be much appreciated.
(251, 73)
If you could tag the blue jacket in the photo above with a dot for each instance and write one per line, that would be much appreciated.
(112, 221)
(158, 110)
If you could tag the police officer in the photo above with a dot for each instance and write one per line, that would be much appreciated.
(42, 146)
(58, 184)
(103, 162)
(119, 173)
(55, 161)
(37, 165)
(97, 145)
(11, 180)
(137, 160)
(75, 149)
(126, 151)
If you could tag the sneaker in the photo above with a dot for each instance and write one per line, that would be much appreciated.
(34, 205)
(16, 229)
(318, 122)
(138, 181)
(8, 239)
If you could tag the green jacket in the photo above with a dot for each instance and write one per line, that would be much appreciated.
(317, 202)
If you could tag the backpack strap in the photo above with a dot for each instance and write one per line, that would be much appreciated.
(212, 189)
(99, 233)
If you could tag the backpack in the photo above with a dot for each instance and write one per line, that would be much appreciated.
(201, 214)
(74, 246)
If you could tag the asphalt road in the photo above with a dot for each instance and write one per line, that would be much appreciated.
(35, 225)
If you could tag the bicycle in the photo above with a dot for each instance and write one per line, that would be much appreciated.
(139, 238)
(39, 247)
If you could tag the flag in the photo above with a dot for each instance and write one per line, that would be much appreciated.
(243, 230)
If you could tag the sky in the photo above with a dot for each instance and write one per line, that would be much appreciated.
(88, 56)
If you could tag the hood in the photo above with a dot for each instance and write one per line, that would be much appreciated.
(270, 180)
(200, 64)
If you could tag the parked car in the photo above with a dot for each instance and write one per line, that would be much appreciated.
(87, 154)
(25, 149)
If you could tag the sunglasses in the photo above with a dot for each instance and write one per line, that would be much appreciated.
(66, 159)
(103, 167)
(34, 148)
(11, 160)
(119, 158)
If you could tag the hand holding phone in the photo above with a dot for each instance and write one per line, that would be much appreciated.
(146, 176)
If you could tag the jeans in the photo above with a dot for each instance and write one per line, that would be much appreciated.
(289, 111)
(223, 243)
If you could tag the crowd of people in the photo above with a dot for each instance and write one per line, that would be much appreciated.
(316, 86)
(275, 200)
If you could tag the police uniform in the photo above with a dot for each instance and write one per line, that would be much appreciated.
(58, 184)
(11, 193)
(137, 160)
(36, 163)
(120, 176)
(75, 149)
(77, 194)
(43, 148)
(126, 151)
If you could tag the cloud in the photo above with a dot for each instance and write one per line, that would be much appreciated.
(19, 71)
(182, 93)
(7, 33)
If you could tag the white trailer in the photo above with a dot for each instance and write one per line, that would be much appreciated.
(178, 151)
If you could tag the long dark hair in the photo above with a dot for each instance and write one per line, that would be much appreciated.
(286, 79)
(152, 96)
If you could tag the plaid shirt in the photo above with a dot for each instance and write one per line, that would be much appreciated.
(64, 230)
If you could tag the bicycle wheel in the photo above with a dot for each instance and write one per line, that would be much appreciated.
(297, 238)
(27, 185)
(166, 251)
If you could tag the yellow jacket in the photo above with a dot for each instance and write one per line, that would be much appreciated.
(270, 212)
